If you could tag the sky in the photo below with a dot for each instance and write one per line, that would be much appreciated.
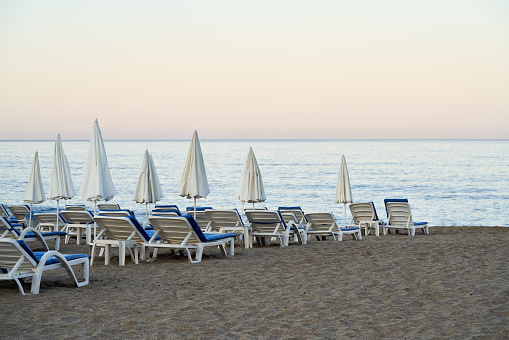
(278, 69)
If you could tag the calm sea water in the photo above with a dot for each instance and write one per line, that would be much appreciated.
(447, 183)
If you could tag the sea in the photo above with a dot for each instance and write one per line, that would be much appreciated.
(447, 182)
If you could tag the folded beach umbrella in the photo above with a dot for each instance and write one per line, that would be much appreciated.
(193, 183)
(61, 186)
(97, 183)
(148, 189)
(34, 193)
(251, 189)
(343, 190)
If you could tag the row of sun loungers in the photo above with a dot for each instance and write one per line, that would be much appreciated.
(169, 229)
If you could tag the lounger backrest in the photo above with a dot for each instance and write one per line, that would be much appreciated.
(321, 221)
(122, 228)
(108, 206)
(12, 252)
(174, 229)
(223, 218)
(396, 200)
(19, 211)
(6, 230)
(165, 213)
(49, 218)
(117, 212)
(297, 211)
(4, 211)
(201, 218)
(77, 217)
(363, 212)
(265, 221)
(80, 207)
(399, 214)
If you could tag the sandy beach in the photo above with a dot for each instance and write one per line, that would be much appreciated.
(453, 283)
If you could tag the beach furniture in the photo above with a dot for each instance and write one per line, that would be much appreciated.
(297, 211)
(201, 218)
(324, 224)
(76, 207)
(166, 207)
(183, 233)
(229, 220)
(78, 221)
(122, 232)
(166, 213)
(18, 261)
(400, 218)
(13, 231)
(49, 221)
(20, 212)
(116, 212)
(108, 206)
(270, 224)
(364, 216)
(4, 211)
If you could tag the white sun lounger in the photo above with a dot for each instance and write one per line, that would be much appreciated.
(18, 261)
(228, 220)
(400, 218)
(122, 232)
(270, 223)
(7, 230)
(183, 233)
(324, 224)
(364, 216)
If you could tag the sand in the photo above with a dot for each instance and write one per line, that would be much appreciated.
(453, 283)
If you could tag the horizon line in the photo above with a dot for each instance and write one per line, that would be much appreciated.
(266, 139)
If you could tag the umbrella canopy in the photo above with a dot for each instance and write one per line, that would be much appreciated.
(193, 182)
(250, 187)
(343, 190)
(97, 183)
(148, 189)
(61, 186)
(34, 193)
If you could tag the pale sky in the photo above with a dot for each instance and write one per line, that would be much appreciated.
(282, 69)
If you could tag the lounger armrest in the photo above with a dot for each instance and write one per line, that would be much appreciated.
(37, 234)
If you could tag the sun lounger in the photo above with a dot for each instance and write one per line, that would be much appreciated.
(116, 212)
(364, 216)
(201, 217)
(20, 212)
(49, 221)
(297, 211)
(270, 224)
(77, 223)
(76, 207)
(108, 206)
(18, 261)
(324, 224)
(400, 218)
(229, 220)
(183, 233)
(124, 232)
(13, 231)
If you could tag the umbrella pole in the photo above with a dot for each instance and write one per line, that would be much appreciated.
(30, 218)
(194, 208)
(344, 206)
(56, 223)
(146, 213)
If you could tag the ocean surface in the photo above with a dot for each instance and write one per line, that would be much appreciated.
(447, 182)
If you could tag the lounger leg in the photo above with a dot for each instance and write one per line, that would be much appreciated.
(92, 254)
(232, 247)
(20, 286)
(199, 254)
(121, 253)
(106, 254)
